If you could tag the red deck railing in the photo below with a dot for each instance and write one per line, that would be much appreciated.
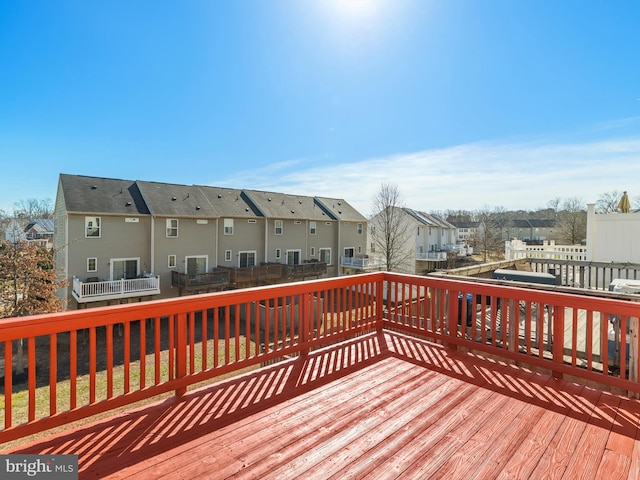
(90, 361)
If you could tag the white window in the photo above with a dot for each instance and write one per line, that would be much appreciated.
(246, 259)
(279, 227)
(312, 228)
(278, 253)
(172, 227)
(373, 247)
(359, 228)
(171, 261)
(227, 255)
(312, 251)
(92, 264)
(92, 227)
(228, 226)
(197, 264)
(359, 248)
(293, 257)
(325, 255)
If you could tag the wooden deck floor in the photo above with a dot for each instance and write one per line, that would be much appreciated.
(380, 406)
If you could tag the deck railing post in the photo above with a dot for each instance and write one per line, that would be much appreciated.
(379, 296)
(634, 323)
(305, 323)
(558, 339)
(181, 349)
(452, 317)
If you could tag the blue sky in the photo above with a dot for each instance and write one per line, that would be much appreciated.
(462, 104)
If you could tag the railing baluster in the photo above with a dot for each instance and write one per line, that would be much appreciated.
(8, 383)
(31, 371)
(92, 365)
(53, 373)
(109, 334)
(127, 357)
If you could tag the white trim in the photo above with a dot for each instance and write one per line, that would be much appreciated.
(98, 228)
(113, 260)
(292, 250)
(168, 226)
(255, 257)
(95, 269)
(186, 262)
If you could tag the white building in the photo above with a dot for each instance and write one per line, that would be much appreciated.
(613, 237)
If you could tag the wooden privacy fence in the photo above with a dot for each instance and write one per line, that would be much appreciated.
(90, 361)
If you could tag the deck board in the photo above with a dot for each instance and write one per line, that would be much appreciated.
(379, 406)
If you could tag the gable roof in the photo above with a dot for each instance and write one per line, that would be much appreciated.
(98, 195)
(40, 225)
(173, 200)
(428, 219)
(285, 206)
(102, 195)
(340, 209)
(230, 202)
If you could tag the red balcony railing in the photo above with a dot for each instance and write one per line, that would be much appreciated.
(86, 362)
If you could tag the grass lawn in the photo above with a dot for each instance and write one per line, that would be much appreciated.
(20, 398)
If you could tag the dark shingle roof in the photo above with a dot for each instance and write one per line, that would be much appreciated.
(102, 195)
(167, 199)
(230, 202)
(340, 209)
(283, 206)
(116, 196)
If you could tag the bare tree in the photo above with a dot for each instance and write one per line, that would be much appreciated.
(554, 204)
(34, 208)
(488, 237)
(572, 221)
(390, 231)
(608, 202)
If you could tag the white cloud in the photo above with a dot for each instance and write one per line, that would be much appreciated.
(515, 175)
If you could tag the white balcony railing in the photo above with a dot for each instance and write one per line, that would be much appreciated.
(112, 289)
(518, 250)
(434, 256)
(360, 262)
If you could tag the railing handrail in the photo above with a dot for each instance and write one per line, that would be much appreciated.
(310, 314)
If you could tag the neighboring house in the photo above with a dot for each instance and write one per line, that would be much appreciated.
(38, 231)
(350, 237)
(122, 240)
(427, 242)
(466, 231)
(531, 231)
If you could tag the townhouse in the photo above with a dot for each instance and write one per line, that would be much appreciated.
(421, 241)
(121, 240)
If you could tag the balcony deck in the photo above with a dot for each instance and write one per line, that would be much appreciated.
(383, 405)
(99, 291)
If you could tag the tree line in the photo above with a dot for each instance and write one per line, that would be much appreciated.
(569, 214)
